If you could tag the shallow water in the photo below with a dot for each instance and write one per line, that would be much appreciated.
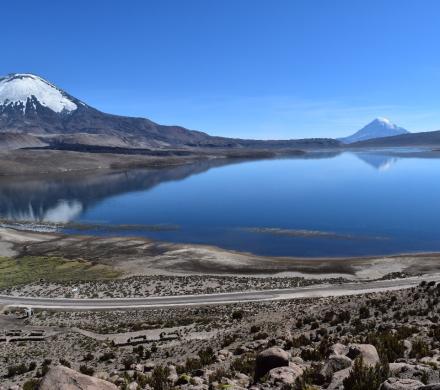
(347, 204)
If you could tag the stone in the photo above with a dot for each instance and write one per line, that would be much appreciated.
(268, 359)
(339, 349)
(400, 384)
(285, 375)
(132, 386)
(149, 366)
(414, 371)
(63, 378)
(242, 379)
(102, 375)
(338, 379)
(434, 386)
(335, 363)
(368, 352)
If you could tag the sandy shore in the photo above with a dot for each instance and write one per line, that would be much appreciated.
(140, 256)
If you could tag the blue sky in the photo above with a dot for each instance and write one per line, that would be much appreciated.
(244, 68)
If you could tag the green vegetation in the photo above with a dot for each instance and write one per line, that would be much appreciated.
(31, 384)
(29, 269)
(389, 346)
(363, 377)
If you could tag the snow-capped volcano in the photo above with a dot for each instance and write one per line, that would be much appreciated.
(33, 106)
(27, 91)
(378, 128)
(36, 113)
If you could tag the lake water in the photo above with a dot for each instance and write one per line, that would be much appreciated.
(330, 205)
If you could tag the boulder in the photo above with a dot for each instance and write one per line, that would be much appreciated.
(414, 371)
(63, 378)
(242, 379)
(368, 352)
(335, 363)
(339, 349)
(400, 384)
(133, 386)
(285, 375)
(268, 359)
(338, 379)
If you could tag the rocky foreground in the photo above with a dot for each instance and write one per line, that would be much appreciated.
(388, 340)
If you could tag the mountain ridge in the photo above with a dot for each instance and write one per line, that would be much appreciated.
(31, 105)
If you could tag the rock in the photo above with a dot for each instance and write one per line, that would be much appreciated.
(102, 375)
(268, 359)
(408, 347)
(241, 350)
(367, 351)
(335, 363)
(298, 360)
(132, 386)
(139, 367)
(149, 366)
(285, 375)
(198, 381)
(339, 349)
(63, 378)
(338, 379)
(435, 386)
(414, 371)
(242, 379)
(400, 384)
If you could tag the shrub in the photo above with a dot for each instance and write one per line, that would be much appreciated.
(65, 363)
(388, 345)
(343, 316)
(192, 364)
(128, 361)
(218, 374)
(311, 376)
(255, 329)
(244, 364)
(311, 354)
(16, 370)
(159, 378)
(31, 384)
(419, 349)
(206, 356)
(86, 370)
(261, 336)
(300, 341)
(363, 377)
(88, 357)
(364, 312)
(106, 356)
(237, 314)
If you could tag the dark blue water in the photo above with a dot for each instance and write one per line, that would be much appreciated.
(370, 203)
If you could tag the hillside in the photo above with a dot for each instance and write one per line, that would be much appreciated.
(31, 105)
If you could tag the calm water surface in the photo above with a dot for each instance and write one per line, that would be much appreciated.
(354, 204)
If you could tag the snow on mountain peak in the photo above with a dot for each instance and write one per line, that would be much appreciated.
(384, 121)
(16, 89)
(378, 128)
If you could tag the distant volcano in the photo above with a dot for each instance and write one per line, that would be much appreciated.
(379, 128)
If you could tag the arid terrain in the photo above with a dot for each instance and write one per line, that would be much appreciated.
(301, 343)
(318, 343)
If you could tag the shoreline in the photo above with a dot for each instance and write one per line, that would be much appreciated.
(138, 256)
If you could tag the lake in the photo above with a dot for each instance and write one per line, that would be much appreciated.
(346, 204)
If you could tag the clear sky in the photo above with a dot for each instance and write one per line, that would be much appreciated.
(244, 68)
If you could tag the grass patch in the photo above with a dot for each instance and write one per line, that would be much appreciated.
(30, 269)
